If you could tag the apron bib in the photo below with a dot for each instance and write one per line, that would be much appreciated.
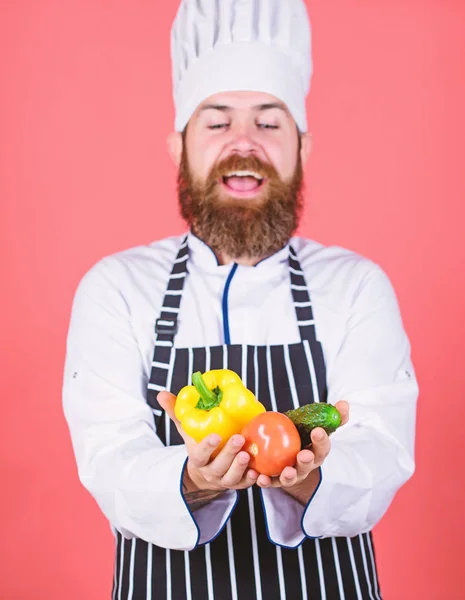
(241, 563)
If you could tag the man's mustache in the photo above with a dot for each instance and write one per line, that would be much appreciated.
(237, 162)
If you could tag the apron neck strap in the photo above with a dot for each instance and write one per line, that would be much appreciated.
(301, 297)
(166, 325)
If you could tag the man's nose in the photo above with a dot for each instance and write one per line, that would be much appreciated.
(243, 141)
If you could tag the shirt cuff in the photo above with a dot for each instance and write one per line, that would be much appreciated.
(211, 519)
(339, 506)
(153, 509)
(284, 517)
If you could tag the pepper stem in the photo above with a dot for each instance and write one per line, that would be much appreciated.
(208, 398)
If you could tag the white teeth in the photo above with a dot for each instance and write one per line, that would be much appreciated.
(245, 174)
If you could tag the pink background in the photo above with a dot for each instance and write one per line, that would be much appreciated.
(85, 108)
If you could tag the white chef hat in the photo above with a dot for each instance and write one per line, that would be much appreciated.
(241, 45)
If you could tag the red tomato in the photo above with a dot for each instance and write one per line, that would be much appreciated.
(273, 442)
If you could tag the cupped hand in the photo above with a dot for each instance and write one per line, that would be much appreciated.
(228, 470)
(307, 460)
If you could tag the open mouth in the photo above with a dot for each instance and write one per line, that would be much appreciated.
(243, 182)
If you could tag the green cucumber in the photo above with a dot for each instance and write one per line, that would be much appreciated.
(309, 416)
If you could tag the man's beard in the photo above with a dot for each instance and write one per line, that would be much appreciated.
(250, 227)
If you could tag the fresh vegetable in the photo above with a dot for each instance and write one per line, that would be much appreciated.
(272, 441)
(218, 402)
(309, 416)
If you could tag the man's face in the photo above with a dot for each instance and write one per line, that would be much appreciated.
(241, 173)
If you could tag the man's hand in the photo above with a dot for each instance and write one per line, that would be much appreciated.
(206, 479)
(302, 480)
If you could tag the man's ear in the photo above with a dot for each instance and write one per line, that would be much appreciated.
(174, 143)
(305, 147)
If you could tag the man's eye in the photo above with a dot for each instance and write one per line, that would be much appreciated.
(267, 126)
(218, 126)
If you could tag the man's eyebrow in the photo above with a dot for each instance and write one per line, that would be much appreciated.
(258, 107)
(221, 107)
(270, 106)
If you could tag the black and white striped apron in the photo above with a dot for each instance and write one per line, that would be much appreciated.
(241, 563)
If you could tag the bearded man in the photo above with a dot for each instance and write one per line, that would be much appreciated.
(297, 321)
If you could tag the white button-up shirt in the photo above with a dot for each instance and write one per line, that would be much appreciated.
(136, 480)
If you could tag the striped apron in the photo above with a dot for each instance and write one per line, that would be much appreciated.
(241, 563)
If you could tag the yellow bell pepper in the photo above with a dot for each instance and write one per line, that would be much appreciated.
(218, 402)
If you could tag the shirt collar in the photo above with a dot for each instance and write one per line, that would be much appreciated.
(203, 257)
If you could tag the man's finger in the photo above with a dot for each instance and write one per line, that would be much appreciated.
(264, 481)
(236, 471)
(221, 463)
(321, 445)
(343, 407)
(288, 476)
(167, 401)
(200, 454)
(305, 463)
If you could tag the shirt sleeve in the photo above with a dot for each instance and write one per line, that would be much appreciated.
(134, 478)
(371, 456)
